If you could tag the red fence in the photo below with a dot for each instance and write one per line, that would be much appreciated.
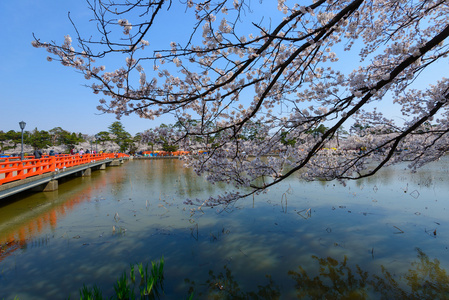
(12, 168)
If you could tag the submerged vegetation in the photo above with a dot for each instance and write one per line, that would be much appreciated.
(335, 280)
(148, 286)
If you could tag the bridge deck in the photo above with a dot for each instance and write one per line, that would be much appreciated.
(17, 176)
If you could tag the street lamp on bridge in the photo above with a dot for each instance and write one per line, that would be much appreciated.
(96, 143)
(22, 125)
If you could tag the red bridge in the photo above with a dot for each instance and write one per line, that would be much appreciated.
(18, 175)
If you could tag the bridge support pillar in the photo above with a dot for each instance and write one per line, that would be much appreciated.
(115, 162)
(103, 167)
(51, 186)
(87, 172)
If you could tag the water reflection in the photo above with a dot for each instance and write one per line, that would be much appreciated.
(425, 279)
(24, 219)
(93, 228)
(224, 285)
(337, 280)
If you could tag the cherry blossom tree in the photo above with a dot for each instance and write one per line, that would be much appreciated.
(166, 136)
(283, 69)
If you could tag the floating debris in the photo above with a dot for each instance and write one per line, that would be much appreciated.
(400, 230)
(307, 214)
(415, 194)
(432, 233)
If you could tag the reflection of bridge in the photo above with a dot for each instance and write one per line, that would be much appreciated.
(42, 174)
(23, 227)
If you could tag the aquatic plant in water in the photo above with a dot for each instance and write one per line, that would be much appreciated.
(150, 284)
(425, 279)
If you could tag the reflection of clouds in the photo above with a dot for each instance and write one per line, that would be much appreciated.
(266, 236)
(252, 249)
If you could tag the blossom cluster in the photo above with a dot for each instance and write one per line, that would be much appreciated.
(256, 100)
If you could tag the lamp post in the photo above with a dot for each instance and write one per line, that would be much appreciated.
(96, 143)
(22, 126)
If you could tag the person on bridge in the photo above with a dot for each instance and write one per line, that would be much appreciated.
(37, 153)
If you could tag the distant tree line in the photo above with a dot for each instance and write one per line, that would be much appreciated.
(42, 139)
(165, 137)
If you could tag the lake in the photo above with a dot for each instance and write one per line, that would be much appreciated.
(384, 236)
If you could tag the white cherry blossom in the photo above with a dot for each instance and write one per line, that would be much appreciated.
(253, 94)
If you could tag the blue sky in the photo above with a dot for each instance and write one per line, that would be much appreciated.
(47, 95)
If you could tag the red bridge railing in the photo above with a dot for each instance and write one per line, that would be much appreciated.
(12, 168)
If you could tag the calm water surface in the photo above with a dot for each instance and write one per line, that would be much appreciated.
(384, 236)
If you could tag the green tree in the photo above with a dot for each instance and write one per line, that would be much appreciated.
(81, 137)
(14, 136)
(39, 139)
(167, 136)
(122, 137)
(359, 129)
(2, 141)
(253, 131)
(152, 146)
(56, 134)
(169, 148)
(103, 136)
(320, 130)
(69, 139)
(117, 129)
(138, 137)
(287, 141)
